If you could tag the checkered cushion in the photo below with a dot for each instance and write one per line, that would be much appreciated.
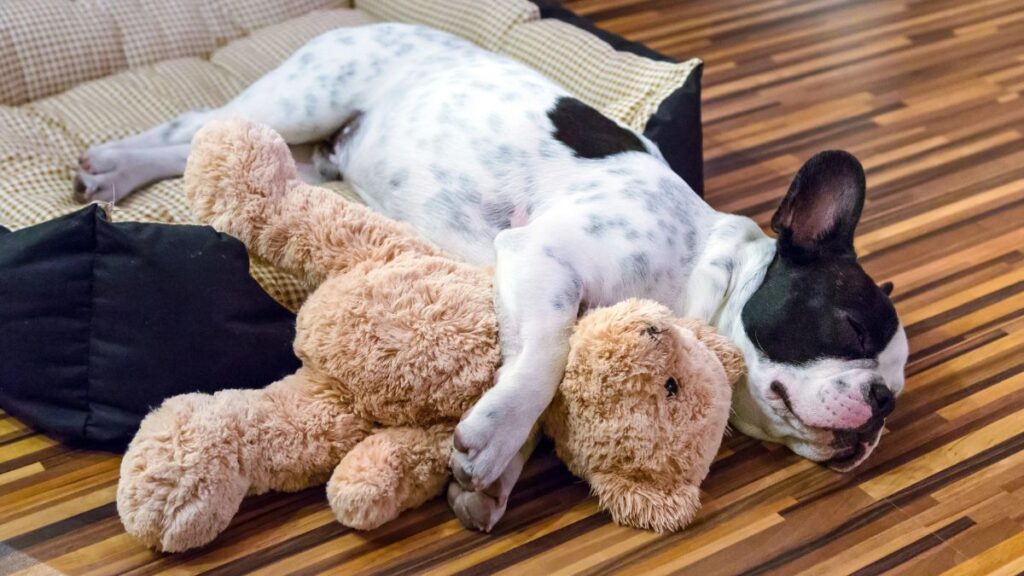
(40, 141)
(51, 45)
(485, 22)
(250, 58)
(623, 86)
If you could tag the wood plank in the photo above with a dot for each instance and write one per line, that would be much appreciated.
(927, 95)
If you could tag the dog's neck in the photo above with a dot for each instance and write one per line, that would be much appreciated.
(732, 264)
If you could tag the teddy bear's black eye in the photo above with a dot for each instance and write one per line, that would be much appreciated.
(672, 387)
(652, 332)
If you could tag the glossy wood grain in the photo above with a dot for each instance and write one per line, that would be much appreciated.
(928, 95)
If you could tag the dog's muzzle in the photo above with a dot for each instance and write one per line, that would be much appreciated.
(852, 445)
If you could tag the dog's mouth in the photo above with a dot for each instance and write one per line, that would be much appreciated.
(852, 445)
(848, 459)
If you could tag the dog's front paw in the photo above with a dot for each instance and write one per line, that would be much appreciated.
(476, 510)
(487, 440)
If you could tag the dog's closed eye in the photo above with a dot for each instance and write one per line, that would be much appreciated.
(860, 332)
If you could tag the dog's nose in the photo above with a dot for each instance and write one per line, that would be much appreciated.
(881, 400)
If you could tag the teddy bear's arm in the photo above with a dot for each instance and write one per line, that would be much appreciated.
(242, 180)
(393, 470)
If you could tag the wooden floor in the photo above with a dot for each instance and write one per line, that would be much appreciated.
(928, 95)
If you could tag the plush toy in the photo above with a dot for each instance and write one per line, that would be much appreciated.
(397, 343)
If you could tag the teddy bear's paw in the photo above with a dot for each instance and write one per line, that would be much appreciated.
(363, 505)
(476, 510)
(177, 516)
(235, 163)
(178, 488)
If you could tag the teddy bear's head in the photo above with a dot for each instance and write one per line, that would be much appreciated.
(642, 410)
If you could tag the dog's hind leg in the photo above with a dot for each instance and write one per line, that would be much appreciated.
(305, 99)
(114, 174)
(114, 170)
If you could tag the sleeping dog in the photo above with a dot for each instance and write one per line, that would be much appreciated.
(498, 165)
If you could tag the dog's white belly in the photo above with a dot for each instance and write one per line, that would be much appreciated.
(458, 149)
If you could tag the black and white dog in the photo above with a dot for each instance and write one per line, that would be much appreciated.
(497, 164)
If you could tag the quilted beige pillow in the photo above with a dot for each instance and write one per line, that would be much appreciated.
(249, 58)
(621, 85)
(485, 22)
(40, 141)
(50, 45)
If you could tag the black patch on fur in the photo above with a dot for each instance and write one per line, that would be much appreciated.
(825, 308)
(570, 295)
(636, 267)
(589, 133)
(498, 214)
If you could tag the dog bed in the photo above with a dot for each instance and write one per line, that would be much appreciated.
(101, 322)
(77, 73)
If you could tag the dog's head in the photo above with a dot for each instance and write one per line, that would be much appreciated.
(824, 347)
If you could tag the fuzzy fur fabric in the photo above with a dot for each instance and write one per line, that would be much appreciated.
(397, 342)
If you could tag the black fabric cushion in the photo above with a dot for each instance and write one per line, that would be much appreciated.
(100, 322)
(676, 125)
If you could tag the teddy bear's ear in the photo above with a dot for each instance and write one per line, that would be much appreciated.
(726, 352)
(645, 505)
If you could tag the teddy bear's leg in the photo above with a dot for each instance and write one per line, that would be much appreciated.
(390, 471)
(195, 457)
(241, 179)
(298, 433)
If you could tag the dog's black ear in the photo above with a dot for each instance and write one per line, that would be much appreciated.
(821, 210)
(886, 287)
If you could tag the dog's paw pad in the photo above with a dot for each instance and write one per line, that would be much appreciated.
(475, 510)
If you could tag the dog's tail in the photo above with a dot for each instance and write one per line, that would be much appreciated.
(242, 180)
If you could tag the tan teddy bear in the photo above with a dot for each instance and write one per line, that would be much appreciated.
(397, 343)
